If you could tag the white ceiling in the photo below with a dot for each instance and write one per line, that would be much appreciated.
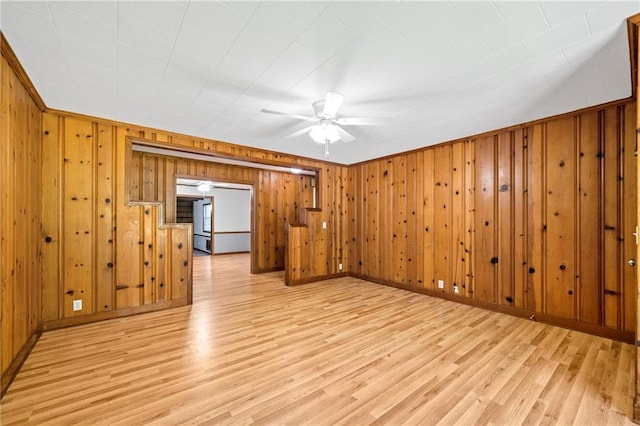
(440, 70)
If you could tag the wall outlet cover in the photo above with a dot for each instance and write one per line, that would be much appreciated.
(440, 283)
(77, 305)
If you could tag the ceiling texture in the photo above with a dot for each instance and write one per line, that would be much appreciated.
(438, 70)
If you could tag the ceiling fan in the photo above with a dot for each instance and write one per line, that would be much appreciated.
(328, 127)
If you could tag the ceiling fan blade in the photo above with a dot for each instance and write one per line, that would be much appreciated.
(344, 135)
(364, 121)
(299, 117)
(300, 132)
(332, 103)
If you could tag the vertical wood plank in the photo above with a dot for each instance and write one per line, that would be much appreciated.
(442, 217)
(78, 213)
(469, 222)
(410, 220)
(52, 191)
(385, 174)
(129, 236)
(149, 226)
(370, 228)
(180, 254)
(419, 210)
(428, 241)
(611, 168)
(504, 217)
(10, 130)
(485, 255)
(149, 178)
(590, 231)
(560, 218)
(162, 274)
(457, 211)
(630, 208)
(519, 198)
(105, 235)
(399, 214)
(535, 222)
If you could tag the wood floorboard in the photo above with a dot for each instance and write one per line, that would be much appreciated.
(251, 351)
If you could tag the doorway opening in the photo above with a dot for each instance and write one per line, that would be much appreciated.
(220, 213)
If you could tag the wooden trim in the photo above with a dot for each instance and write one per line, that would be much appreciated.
(100, 316)
(215, 154)
(16, 364)
(265, 270)
(177, 176)
(632, 32)
(504, 129)
(16, 66)
(623, 336)
(228, 189)
(129, 126)
(318, 278)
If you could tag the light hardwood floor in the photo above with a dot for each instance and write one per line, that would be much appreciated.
(344, 351)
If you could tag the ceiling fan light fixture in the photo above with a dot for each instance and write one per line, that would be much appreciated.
(320, 133)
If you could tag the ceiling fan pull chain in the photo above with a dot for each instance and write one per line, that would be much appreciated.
(326, 148)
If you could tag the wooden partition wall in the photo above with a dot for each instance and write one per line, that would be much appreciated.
(279, 198)
(536, 221)
(19, 219)
(117, 256)
(107, 214)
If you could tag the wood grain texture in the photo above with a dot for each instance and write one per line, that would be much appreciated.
(130, 199)
(536, 218)
(104, 249)
(21, 239)
(252, 351)
(278, 199)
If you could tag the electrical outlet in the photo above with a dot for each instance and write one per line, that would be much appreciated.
(440, 283)
(324, 225)
(339, 266)
(456, 290)
(77, 305)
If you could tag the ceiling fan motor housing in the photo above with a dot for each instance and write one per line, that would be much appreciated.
(318, 108)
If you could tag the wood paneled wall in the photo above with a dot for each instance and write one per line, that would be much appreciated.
(115, 255)
(108, 213)
(277, 197)
(534, 221)
(317, 246)
(20, 119)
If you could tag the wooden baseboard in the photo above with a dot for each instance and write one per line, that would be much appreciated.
(319, 278)
(16, 364)
(100, 316)
(265, 270)
(597, 330)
